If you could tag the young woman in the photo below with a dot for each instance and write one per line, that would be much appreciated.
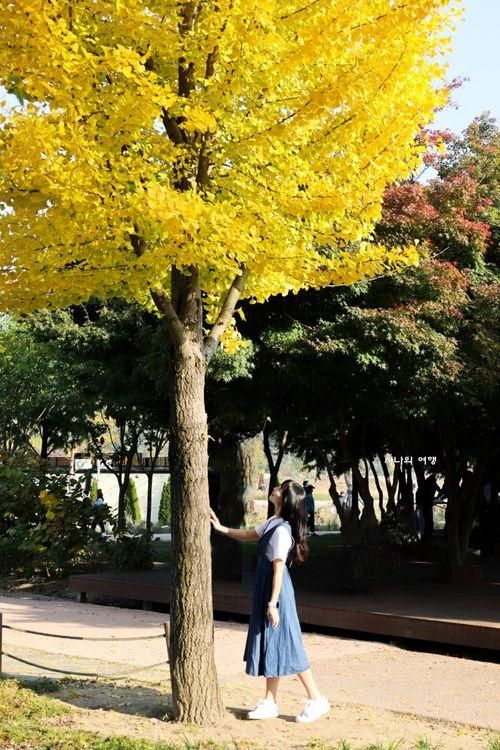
(274, 642)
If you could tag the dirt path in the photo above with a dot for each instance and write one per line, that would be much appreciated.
(378, 691)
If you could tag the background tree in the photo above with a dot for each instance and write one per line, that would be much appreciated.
(234, 416)
(155, 438)
(192, 154)
(40, 405)
(165, 509)
(132, 507)
(406, 365)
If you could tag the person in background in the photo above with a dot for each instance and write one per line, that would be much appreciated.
(310, 508)
(100, 512)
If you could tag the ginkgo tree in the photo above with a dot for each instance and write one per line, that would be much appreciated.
(186, 153)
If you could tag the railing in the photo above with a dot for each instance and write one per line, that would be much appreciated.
(119, 676)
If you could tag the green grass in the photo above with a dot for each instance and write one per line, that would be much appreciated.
(389, 745)
(26, 716)
(29, 715)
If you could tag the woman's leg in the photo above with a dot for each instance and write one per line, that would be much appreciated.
(307, 680)
(272, 688)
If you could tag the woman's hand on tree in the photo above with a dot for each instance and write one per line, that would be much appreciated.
(215, 521)
(273, 617)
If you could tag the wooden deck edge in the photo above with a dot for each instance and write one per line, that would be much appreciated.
(378, 623)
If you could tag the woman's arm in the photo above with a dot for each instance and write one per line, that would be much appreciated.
(272, 608)
(242, 535)
(278, 568)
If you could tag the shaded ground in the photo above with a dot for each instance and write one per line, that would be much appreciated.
(378, 691)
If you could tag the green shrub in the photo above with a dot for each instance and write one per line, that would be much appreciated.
(45, 520)
(395, 531)
(132, 507)
(164, 514)
(131, 552)
(93, 490)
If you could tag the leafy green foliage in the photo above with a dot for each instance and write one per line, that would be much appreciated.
(131, 552)
(39, 395)
(132, 507)
(93, 490)
(164, 512)
(44, 520)
(23, 724)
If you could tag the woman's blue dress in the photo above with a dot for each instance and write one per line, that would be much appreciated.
(273, 652)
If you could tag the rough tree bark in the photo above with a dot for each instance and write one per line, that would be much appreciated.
(194, 683)
(195, 692)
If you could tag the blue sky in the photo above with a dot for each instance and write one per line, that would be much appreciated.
(476, 56)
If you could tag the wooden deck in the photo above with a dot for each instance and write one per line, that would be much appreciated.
(466, 616)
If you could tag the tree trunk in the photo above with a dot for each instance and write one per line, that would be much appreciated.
(274, 465)
(123, 483)
(44, 449)
(379, 488)
(470, 489)
(452, 514)
(224, 459)
(121, 503)
(391, 486)
(195, 692)
(150, 475)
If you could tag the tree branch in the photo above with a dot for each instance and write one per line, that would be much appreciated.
(170, 318)
(225, 314)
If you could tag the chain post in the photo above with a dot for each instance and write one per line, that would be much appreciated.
(166, 628)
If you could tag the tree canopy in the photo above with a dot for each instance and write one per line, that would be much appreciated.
(222, 136)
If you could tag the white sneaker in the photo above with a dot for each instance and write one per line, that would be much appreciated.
(265, 709)
(313, 710)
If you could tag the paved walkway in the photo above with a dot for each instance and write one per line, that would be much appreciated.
(375, 675)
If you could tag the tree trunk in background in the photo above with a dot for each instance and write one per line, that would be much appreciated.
(225, 458)
(355, 498)
(361, 489)
(149, 502)
(195, 691)
(274, 465)
(452, 514)
(348, 520)
(123, 477)
(44, 449)
(470, 489)
(391, 485)
(379, 488)
(463, 493)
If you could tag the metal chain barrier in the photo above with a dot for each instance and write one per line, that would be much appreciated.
(118, 676)
(165, 635)
(88, 638)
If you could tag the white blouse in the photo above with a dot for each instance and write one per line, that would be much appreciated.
(280, 543)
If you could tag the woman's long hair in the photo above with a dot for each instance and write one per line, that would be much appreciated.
(293, 510)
